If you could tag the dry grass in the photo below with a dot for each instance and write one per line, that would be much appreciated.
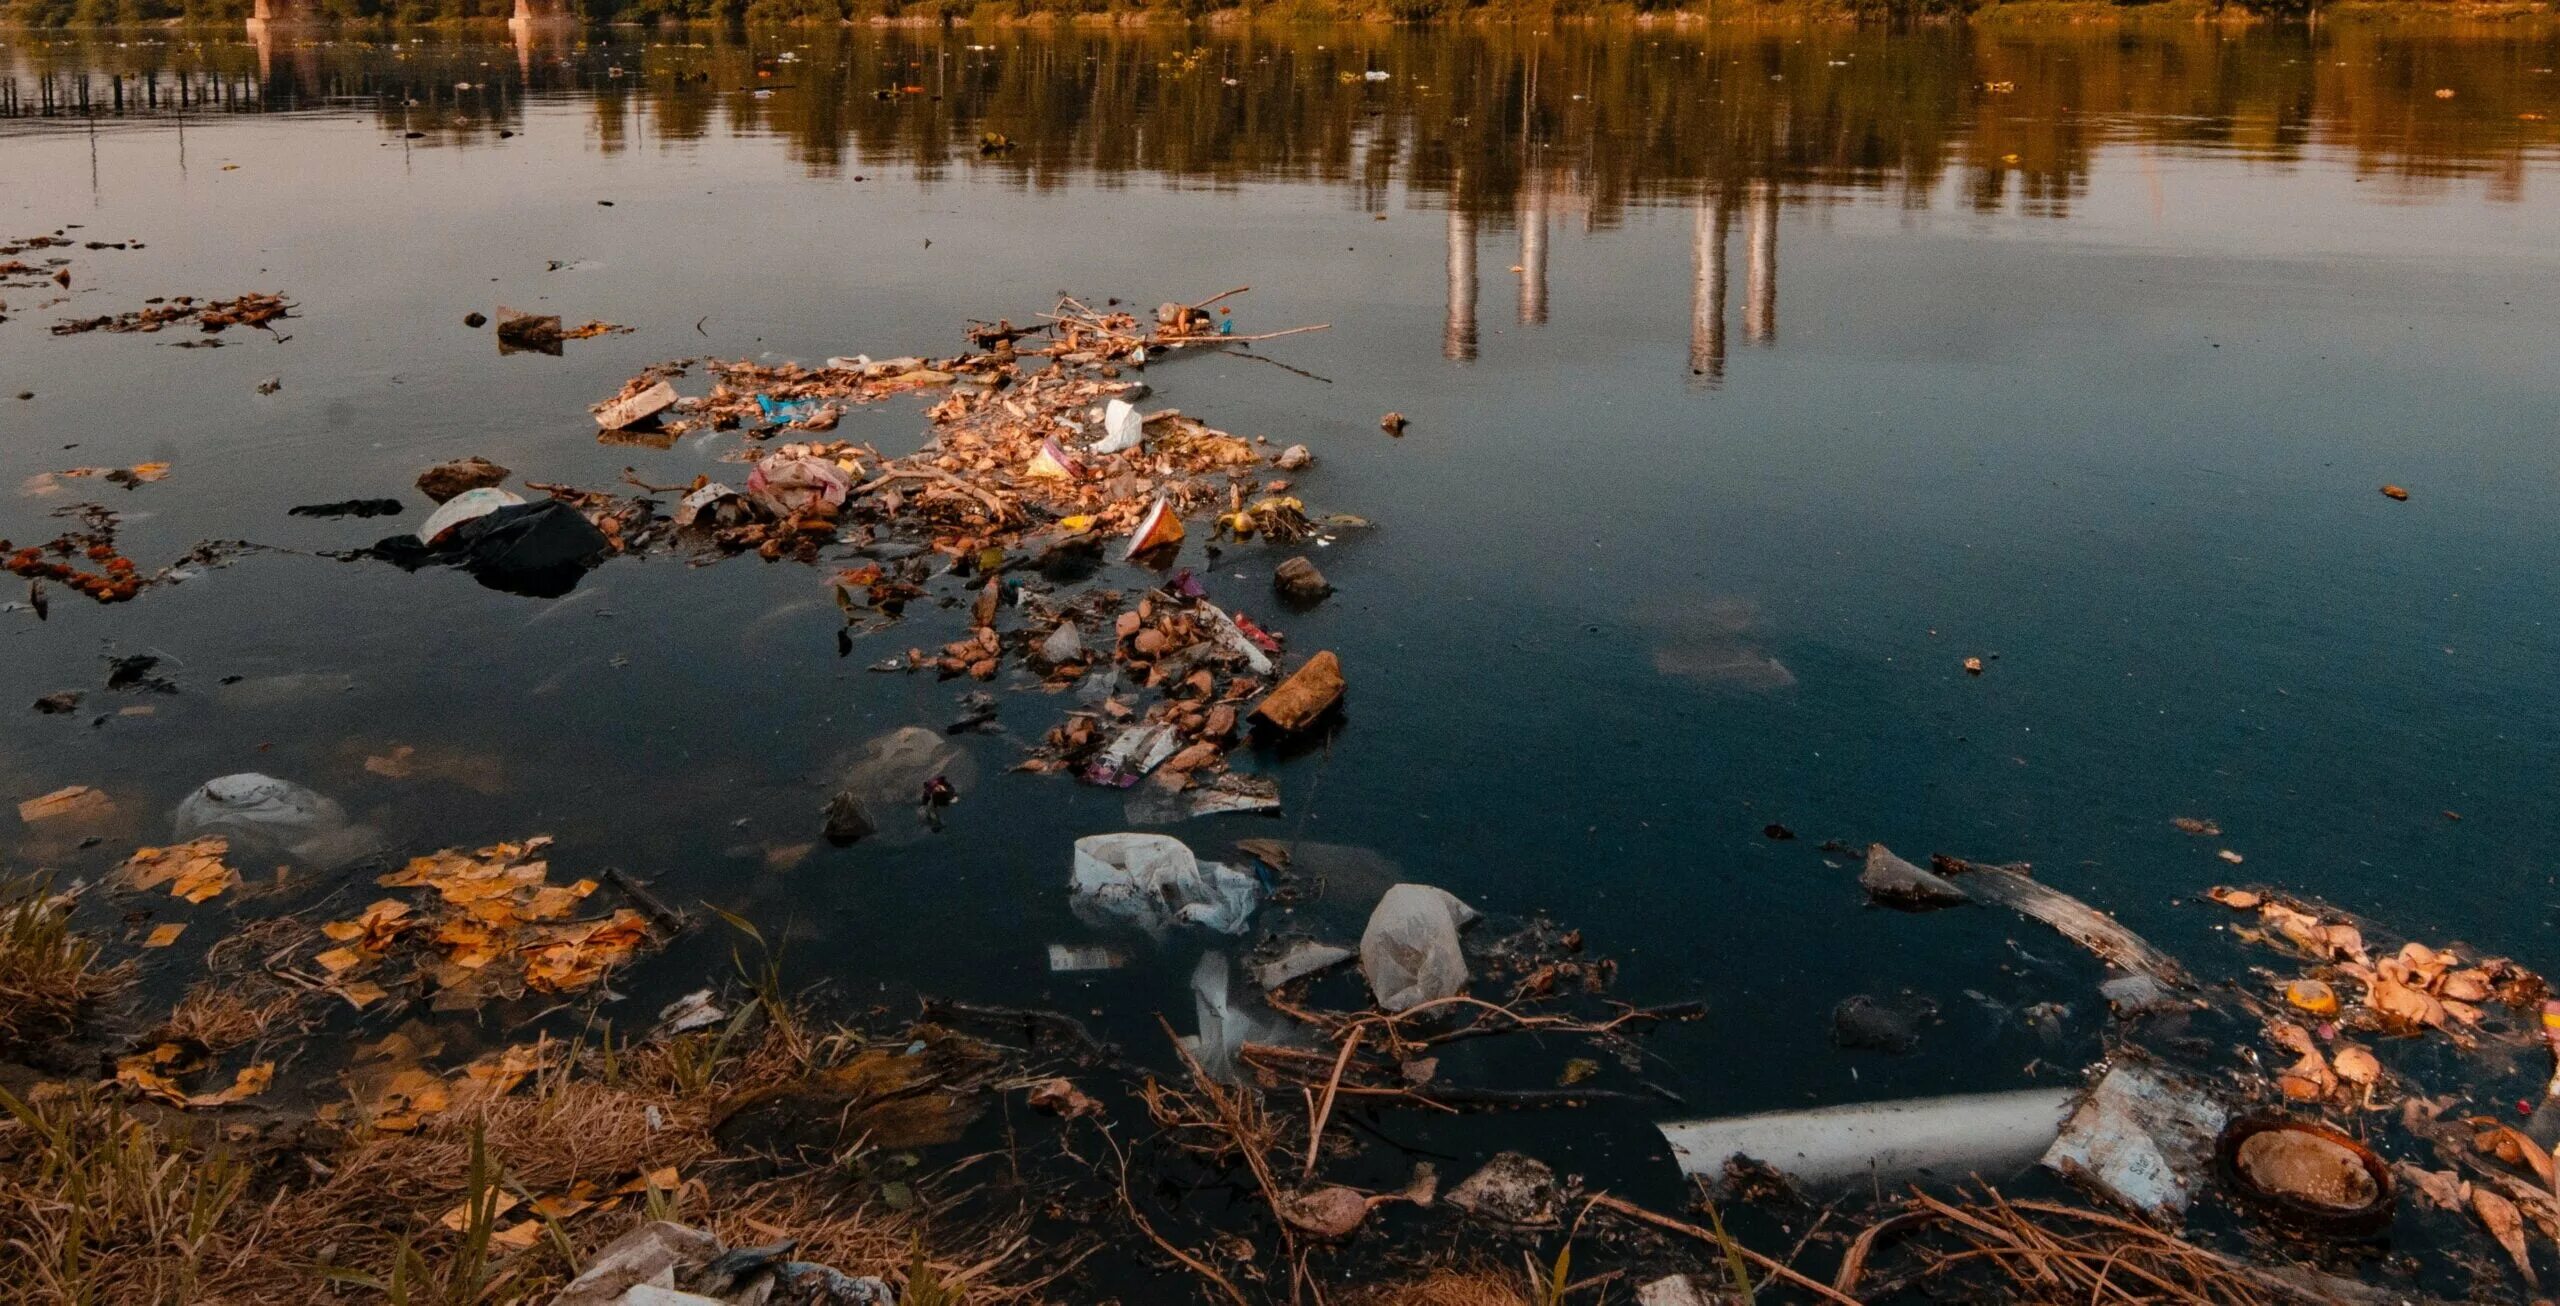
(1449, 1287)
(227, 1015)
(108, 1199)
(98, 1205)
(49, 974)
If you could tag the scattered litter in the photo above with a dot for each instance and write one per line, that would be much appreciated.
(1068, 959)
(1153, 883)
(2312, 1177)
(1303, 958)
(2010, 886)
(1410, 951)
(1230, 1016)
(693, 1011)
(1298, 581)
(1897, 883)
(2140, 1137)
(528, 332)
(212, 315)
(1305, 696)
(887, 788)
(1510, 1189)
(1939, 1139)
(631, 409)
(267, 816)
(445, 480)
(349, 508)
(538, 550)
(1862, 1023)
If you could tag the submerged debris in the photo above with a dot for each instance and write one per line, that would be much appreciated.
(212, 315)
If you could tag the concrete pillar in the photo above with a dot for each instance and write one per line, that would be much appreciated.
(1760, 291)
(1458, 337)
(1708, 232)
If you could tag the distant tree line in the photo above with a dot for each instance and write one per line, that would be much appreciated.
(76, 13)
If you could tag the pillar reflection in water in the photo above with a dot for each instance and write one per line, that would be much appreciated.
(1533, 255)
(1760, 291)
(1712, 223)
(1458, 338)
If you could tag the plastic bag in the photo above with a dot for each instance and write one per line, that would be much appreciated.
(1410, 950)
(1151, 882)
(264, 814)
(787, 483)
(1123, 428)
(889, 777)
(464, 507)
(1230, 1016)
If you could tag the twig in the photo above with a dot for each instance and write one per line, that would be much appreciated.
(1223, 294)
(993, 504)
(1180, 342)
(1770, 1264)
(667, 918)
(1315, 1131)
(1129, 1204)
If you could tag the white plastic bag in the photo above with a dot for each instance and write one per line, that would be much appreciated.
(1410, 951)
(265, 814)
(1152, 882)
(1123, 428)
(1231, 1015)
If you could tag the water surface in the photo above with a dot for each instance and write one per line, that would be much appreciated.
(1757, 380)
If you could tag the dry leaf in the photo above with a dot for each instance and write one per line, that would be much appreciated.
(362, 993)
(460, 1216)
(516, 1237)
(1328, 1212)
(2235, 899)
(2510, 1145)
(2443, 1189)
(2398, 1002)
(2205, 825)
(2500, 1218)
(251, 1081)
(2309, 1079)
(162, 936)
(193, 870)
(1061, 1096)
(2291, 1037)
(70, 800)
(2356, 1065)
(664, 1179)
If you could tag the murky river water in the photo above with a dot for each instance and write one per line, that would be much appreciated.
(1756, 381)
